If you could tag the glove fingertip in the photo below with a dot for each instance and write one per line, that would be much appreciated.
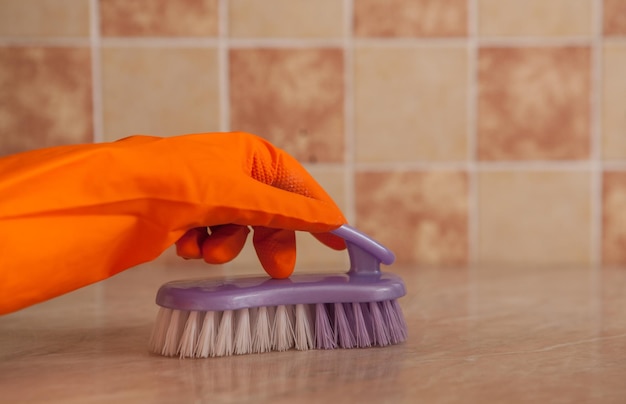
(188, 246)
(276, 250)
(277, 271)
(224, 244)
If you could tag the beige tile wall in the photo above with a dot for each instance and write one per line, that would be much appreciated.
(454, 131)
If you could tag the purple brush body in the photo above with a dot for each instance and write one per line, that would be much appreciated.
(211, 317)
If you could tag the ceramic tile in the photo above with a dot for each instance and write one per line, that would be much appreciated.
(285, 19)
(533, 103)
(421, 216)
(537, 217)
(613, 106)
(410, 18)
(159, 91)
(534, 18)
(46, 97)
(293, 97)
(613, 218)
(410, 104)
(614, 17)
(44, 18)
(311, 254)
(192, 18)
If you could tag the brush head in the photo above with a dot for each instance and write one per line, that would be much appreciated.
(221, 317)
(238, 315)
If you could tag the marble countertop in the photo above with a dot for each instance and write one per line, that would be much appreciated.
(475, 335)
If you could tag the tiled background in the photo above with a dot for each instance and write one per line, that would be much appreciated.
(454, 131)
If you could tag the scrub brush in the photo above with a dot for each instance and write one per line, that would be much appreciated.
(242, 315)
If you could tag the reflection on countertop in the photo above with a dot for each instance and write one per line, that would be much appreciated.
(475, 335)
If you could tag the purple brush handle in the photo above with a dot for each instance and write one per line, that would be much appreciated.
(364, 282)
(365, 254)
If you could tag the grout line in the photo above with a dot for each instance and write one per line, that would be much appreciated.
(349, 114)
(480, 41)
(208, 42)
(484, 166)
(614, 165)
(473, 206)
(544, 165)
(223, 67)
(160, 42)
(473, 197)
(96, 100)
(595, 130)
(96, 71)
(412, 166)
(52, 42)
(488, 166)
(323, 165)
(409, 42)
(536, 41)
(615, 39)
(286, 43)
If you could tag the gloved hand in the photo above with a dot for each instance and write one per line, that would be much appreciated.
(74, 215)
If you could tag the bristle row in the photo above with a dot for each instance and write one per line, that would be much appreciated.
(303, 326)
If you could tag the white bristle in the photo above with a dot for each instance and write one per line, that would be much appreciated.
(208, 333)
(224, 344)
(302, 326)
(157, 339)
(243, 336)
(283, 329)
(187, 343)
(303, 329)
(262, 335)
(173, 333)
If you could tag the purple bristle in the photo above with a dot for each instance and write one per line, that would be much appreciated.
(360, 326)
(324, 335)
(343, 328)
(365, 308)
(379, 325)
(395, 321)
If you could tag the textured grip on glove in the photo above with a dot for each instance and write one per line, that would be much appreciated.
(274, 246)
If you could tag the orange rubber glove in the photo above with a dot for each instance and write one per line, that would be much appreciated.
(74, 215)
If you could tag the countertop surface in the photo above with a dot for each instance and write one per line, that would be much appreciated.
(475, 335)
